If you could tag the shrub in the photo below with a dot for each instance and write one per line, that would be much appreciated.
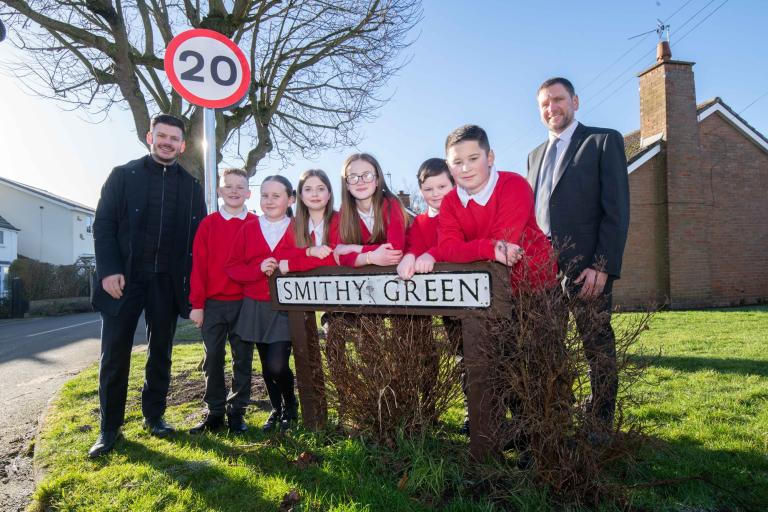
(47, 281)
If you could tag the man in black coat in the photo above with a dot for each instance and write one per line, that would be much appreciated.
(145, 222)
(579, 176)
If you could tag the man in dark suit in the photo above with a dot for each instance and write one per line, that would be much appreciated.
(579, 176)
(145, 221)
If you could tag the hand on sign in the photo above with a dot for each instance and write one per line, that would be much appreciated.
(268, 266)
(507, 253)
(283, 266)
(343, 249)
(425, 263)
(320, 252)
(406, 268)
(384, 255)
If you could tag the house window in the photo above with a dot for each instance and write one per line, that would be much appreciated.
(2, 237)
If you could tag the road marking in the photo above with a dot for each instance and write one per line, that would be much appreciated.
(62, 328)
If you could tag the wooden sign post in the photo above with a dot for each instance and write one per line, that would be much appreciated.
(475, 292)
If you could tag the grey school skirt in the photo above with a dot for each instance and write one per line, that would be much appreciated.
(258, 323)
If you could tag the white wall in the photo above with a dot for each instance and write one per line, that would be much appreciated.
(47, 233)
(82, 240)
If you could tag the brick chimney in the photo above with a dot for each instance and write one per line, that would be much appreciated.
(405, 198)
(668, 107)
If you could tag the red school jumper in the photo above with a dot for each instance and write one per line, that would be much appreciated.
(469, 233)
(421, 236)
(210, 251)
(249, 249)
(301, 262)
(394, 220)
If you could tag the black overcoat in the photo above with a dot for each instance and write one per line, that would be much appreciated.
(119, 231)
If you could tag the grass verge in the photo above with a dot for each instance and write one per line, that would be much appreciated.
(706, 405)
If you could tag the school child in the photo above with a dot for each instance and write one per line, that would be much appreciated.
(421, 251)
(216, 302)
(490, 216)
(372, 221)
(372, 224)
(316, 224)
(256, 250)
(435, 181)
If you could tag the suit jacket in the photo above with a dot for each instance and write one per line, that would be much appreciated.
(119, 231)
(589, 205)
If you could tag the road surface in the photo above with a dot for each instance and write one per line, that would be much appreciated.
(37, 356)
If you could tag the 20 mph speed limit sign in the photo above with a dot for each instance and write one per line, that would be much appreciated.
(207, 68)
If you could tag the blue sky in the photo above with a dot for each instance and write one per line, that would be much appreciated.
(472, 62)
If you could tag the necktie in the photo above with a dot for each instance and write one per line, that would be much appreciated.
(544, 190)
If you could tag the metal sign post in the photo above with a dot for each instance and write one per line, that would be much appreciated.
(208, 70)
(209, 155)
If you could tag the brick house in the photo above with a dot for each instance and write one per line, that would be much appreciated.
(698, 233)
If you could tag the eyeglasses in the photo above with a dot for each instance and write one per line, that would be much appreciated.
(353, 179)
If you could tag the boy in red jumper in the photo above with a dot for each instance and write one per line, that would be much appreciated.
(216, 301)
(421, 252)
(489, 216)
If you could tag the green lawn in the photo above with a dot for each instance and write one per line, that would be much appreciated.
(706, 408)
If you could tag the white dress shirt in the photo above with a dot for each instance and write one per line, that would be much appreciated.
(273, 231)
(564, 140)
(228, 216)
(484, 195)
(317, 231)
(368, 219)
(432, 213)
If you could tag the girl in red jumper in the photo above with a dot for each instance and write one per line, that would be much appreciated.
(372, 221)
(258, 247)
(316, 225)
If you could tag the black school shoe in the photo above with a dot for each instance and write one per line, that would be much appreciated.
(272, 421)
(236, 422)
(158, 427)
(211, 423)
(290, 415)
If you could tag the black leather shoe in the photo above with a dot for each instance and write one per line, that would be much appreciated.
(158, 427)
(211, 423)
(290, 415)
(464, 430)
(237, 423)
(105, 442)
(272, 421)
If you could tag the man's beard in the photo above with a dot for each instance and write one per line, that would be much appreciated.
(162, 160)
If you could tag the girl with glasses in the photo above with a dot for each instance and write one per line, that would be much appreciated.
(372, 221)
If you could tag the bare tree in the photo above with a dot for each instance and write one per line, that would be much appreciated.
(318, 65)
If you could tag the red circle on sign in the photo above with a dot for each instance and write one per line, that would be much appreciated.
(170, 70)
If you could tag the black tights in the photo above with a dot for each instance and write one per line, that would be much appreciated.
(278, 376)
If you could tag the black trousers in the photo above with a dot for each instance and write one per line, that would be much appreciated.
(218, 324)
(153, 294)
(594, 324)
